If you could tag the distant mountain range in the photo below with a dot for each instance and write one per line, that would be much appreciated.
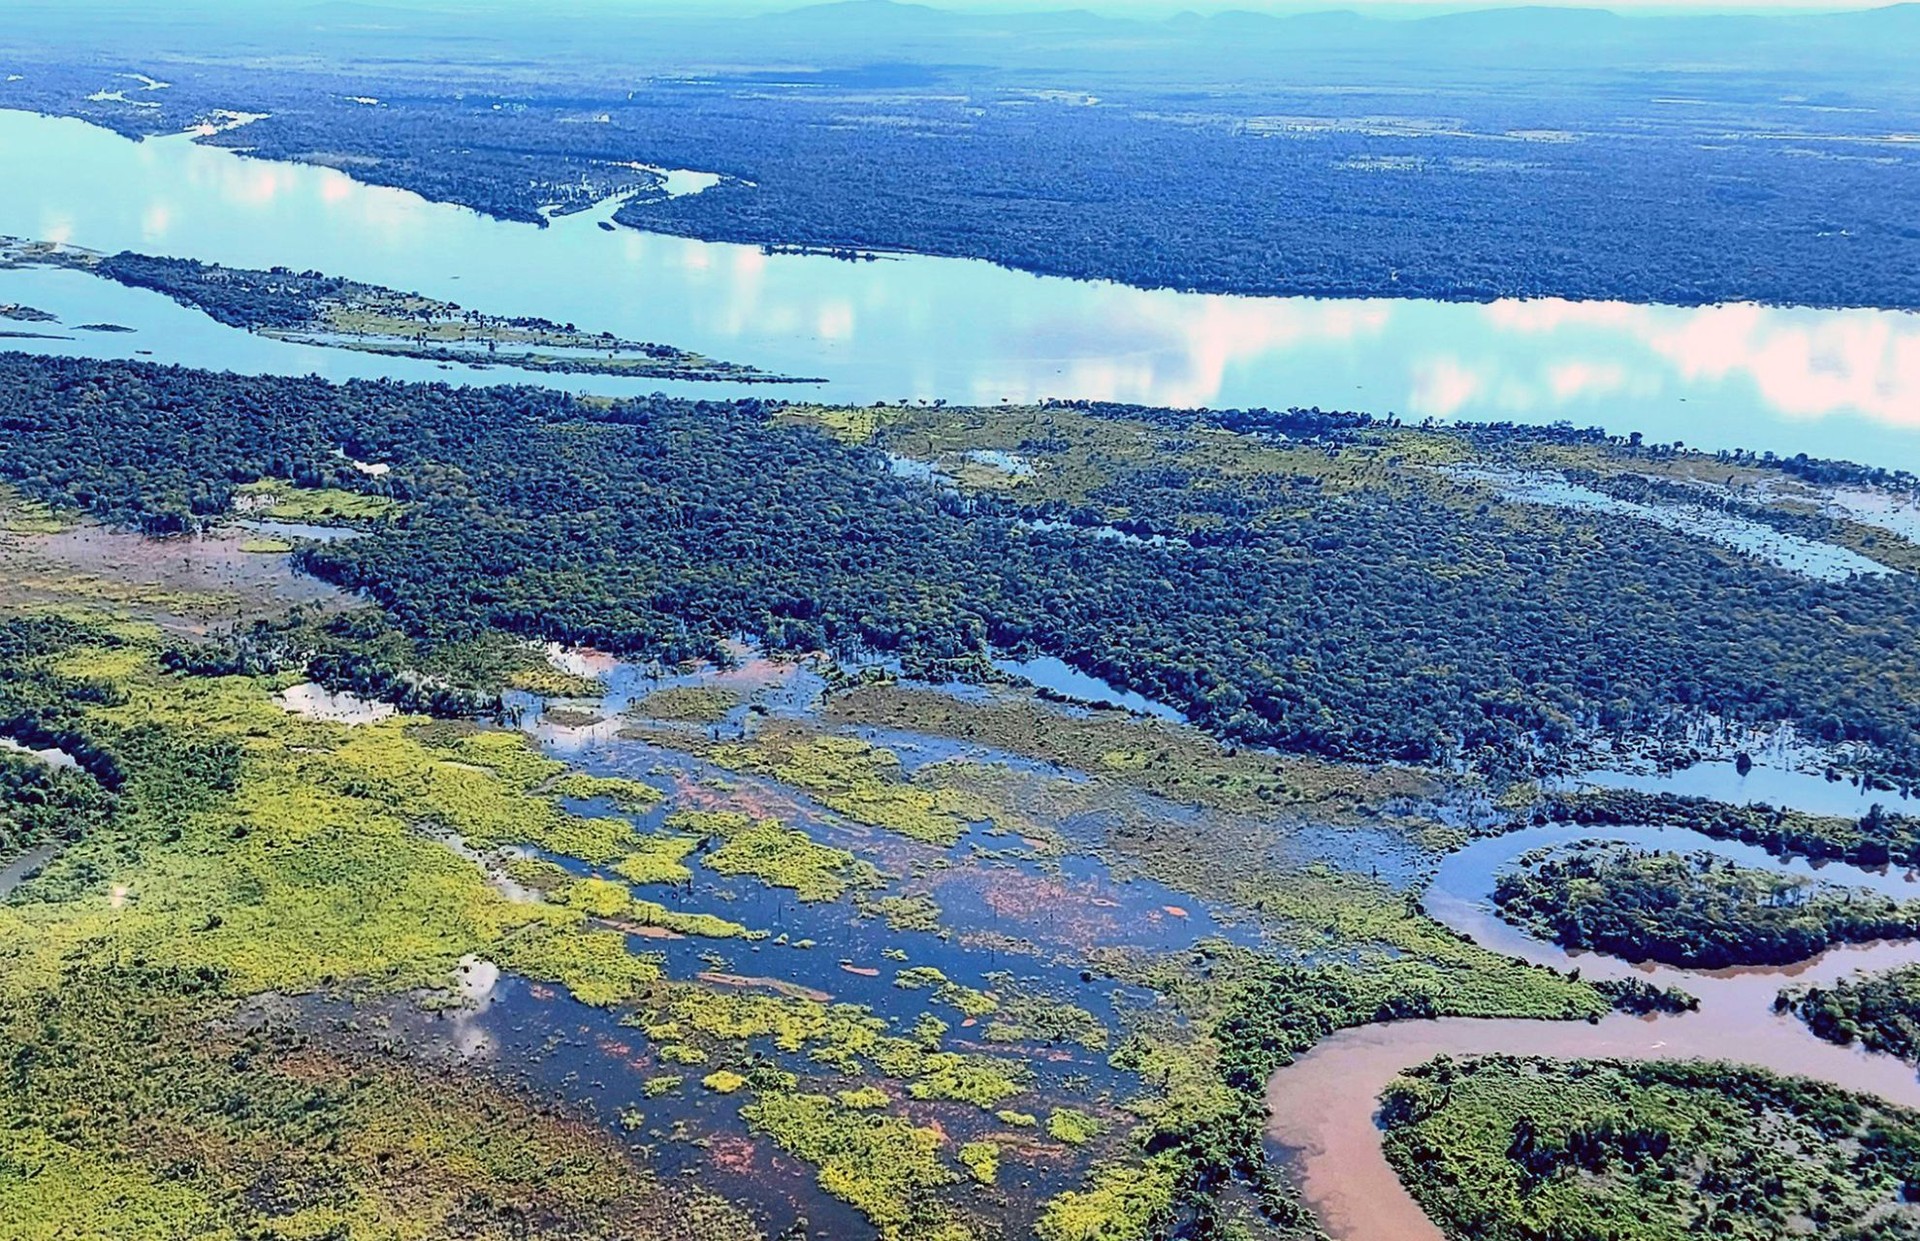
(1201, 47)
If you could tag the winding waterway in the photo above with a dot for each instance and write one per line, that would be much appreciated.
(1323, 1105)
(1833, 383)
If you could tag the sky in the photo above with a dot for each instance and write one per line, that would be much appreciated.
(1164, 8)
(1121, 8)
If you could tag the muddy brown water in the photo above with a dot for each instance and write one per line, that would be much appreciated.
(1322, 1108)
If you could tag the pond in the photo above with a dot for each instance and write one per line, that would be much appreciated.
(1833, 383)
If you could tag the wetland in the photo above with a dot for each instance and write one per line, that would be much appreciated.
(963, 768)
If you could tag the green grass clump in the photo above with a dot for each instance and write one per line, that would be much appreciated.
(1075, 1128)
(1122, 1202)
(857, 779)
(913, 911)
(687, 704)
(723, 1081)
(981, 1160)
(980, 1080)
(684, 922)
(594, 965)
(1029, 1017)
(863, 1097)
(885, 1166)
(628, 796)
(657, 858)
(970, 1001)
(779, 856)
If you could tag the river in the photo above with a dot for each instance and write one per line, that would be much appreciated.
(1322, 1107)
(1833, 383)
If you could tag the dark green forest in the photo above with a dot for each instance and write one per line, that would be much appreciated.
(1695, 910)
(1881, 1011)
(1509, 1149)
(1384, 618)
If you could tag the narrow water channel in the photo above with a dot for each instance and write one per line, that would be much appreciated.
(1322, 1107)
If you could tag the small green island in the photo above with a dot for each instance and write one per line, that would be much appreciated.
(1518, 1149)
(1881, 1012)
(1693, 910)
(311, 308)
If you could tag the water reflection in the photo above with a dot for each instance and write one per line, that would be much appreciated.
(911, 327)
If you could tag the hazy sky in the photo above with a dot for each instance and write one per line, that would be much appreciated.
(1161, 8)
(1131, 8)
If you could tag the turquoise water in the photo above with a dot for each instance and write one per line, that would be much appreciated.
(1834, 383)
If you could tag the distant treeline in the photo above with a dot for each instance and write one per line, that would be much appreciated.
(1598, 189)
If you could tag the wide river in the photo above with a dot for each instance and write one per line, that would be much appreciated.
(1831, 383)
(1322, 1107)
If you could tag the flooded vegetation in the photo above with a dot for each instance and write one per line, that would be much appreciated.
(464, 773)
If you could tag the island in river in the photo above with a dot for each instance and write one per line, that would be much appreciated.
(316, 309)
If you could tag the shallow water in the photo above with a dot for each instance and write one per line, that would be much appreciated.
(20, 869)
(1806, 557)
(315, 702)
(1062, 678)
(1841, 383)
(1765, 784)
(1322, 1107)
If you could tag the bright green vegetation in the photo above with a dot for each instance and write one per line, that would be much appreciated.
(243, 850)
(687, 704)
(613, 904)
(1122, 1202)
(1074, 1128)
(911, 911)
(886, 1166)
(1022, 1016)
(1174, 761)
(1879, 1011)
(970, 1002)
(320, 505)
(627, 796)
(852, 777)
(981, 1160)
(1503, 1149)
(658, 858)
(723, 1081)
(844, 1037)
(779, 856)
(1695, 910)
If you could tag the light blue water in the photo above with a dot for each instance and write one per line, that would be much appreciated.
(1834, 383)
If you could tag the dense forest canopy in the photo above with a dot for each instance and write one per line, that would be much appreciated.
(1384, 615)
(1695, 910)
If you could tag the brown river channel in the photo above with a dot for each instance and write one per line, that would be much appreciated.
(1323, 1106)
